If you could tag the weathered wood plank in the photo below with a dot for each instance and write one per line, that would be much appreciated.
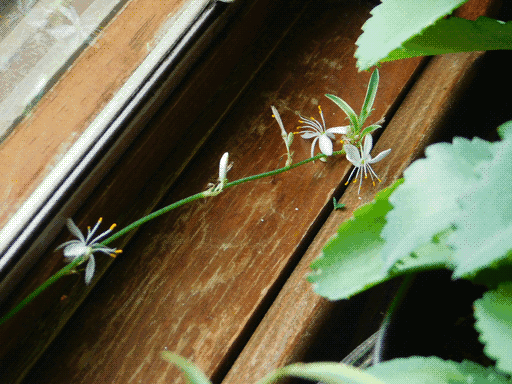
(198, 280)
(284, 333)
(297, 315)
(143, 176)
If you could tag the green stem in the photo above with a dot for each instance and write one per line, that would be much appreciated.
(280, 170)
(152, 216)
(69, 268)
(200, 195)
(397, 300)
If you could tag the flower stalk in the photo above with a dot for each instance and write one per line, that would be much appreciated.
(82, 249)
(287, 137)
(71, 268)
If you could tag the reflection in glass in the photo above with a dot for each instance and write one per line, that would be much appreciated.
(37, 40)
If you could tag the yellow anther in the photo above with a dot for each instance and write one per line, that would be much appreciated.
(273, 116)
(312, 118)
(373, 183)
(320, 108)
(346, 183)
(113, 226)
(354, 180)
(118, 251)
(100, 220)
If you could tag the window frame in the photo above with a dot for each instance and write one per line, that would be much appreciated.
(61, 191)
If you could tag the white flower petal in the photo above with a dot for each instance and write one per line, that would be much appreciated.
(89, 270)
(68, 243)
(313, 146)
(309, 135)
(106, 250)
(352, 154)
(339, 130)
(367, 146)
(75, 250)
(279, 121)
(325, 145)
(380, 156)
(223, 166)
(74, 230)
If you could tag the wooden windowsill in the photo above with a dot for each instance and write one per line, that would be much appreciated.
(221, 281)
(79, 166)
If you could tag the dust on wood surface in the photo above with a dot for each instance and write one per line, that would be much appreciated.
(196, 280)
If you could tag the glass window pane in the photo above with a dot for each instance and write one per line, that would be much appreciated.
(38, 41)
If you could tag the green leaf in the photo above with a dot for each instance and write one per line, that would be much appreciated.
(396, 21)
(484, 222)
(193, 374)
(505, 130)
(343, 276)
(337, 205)
(433, 370)
(432, 255)
(350, 261)
(369, 129)
(366, 110)
(327, 373)
(456, 35)
(493, 313)
(427, 202)
(354, 122)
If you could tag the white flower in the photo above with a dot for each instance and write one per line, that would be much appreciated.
(275, 115)
(223, 167)
(287, 137)
(86, 246)
(312, 128)
(362, 161)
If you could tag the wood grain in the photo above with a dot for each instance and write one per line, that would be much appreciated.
(297, 315)
(284, 334)
(198, 280)
(143, 176)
